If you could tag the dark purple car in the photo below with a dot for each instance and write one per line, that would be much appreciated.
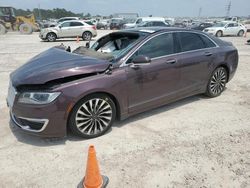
(122, 74)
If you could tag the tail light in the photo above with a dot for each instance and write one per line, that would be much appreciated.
(94, 27)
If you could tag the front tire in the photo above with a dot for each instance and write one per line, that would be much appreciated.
(217, 82)
(219, 34)
(240, 33)
(51, 37)
(92, 116)
(87, 35)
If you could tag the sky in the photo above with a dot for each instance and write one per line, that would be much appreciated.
(171, 8)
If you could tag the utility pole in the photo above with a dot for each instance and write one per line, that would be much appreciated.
(200, 11)
(228, 9)
(39, 12)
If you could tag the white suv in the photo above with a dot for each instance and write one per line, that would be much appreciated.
(69, 29)
(226, 28)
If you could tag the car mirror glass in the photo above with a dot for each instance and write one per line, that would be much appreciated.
(141, 59)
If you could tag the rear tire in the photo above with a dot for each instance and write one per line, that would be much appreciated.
(217, 82)
(92, 116)
(3, 30)
(87, 35)
(51, 37)
(219, 34)
(241, 33)
(25, 29)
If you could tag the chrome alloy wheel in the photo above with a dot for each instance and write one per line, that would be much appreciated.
(218, 81)
(93, 116)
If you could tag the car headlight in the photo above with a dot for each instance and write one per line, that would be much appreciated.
(37, 97)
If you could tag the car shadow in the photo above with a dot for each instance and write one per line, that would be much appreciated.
(159, 110)
(45, 142)
(67, 40)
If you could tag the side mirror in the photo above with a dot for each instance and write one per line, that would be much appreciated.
(60, 26)
(141, 59)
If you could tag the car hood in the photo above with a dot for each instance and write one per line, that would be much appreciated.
(53, 64)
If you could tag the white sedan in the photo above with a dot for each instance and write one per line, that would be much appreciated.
(226, 28)
(69, 29)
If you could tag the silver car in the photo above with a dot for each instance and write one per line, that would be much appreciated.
(69, 29)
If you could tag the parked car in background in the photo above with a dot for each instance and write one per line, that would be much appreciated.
(153, 24)
(62, 20)
(117, 23)
(201, 26)
(226, 28)
(103, 24)
(247, 25)
(124, 73)
(69, 29)
(143, 19)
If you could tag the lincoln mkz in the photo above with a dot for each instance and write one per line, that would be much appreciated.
(121, 74)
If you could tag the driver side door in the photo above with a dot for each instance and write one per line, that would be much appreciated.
(157, 82)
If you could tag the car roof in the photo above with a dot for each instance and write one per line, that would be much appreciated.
(155, 29)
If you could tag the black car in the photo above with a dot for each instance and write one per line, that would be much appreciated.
(117, 23)
(201, 26)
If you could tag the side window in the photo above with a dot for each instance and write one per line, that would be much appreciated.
(74, 24)
(66, 24)
(207, 41)
(190, 41)
(230, 25)
(156, 47)
(139, 21)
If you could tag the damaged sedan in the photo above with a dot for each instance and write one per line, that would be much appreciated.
(121, 74)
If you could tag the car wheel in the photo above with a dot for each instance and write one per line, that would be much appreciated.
(241, 33)
(51, 37)
(87, 35)
(219, 34)
(217, 82)
(92, 116)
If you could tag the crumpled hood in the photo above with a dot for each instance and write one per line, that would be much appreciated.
(55, 63)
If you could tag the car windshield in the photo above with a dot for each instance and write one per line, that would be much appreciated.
(142, 24)
(219, 24)
(113, 46)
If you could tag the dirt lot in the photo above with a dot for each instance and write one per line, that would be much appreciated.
(196, 142)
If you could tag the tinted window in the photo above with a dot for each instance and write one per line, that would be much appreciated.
(74, 24)
(190, 41)
(230, 25)
(159, 24)
(66, 24)
(207, 41)
(158, 46)
(89, 23)
(139, 21)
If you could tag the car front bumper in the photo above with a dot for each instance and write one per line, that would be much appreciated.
(43, 120)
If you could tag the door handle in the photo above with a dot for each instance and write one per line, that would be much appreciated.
(208, 54)
(171, 61)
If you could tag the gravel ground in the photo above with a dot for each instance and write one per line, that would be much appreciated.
(196, 142)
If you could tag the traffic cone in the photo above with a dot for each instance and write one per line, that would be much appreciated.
(93, 177)
(77, 39)
(245, 34)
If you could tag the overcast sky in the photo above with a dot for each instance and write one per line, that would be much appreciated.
(143, 7)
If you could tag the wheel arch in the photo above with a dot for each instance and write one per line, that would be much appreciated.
(113, 98)
(52, 32)
(225, 66)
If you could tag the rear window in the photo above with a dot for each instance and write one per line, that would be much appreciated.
(207, 41)
(190, 41)
(89, 22)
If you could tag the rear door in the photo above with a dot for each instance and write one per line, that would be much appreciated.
(197, 52)
(76, 28)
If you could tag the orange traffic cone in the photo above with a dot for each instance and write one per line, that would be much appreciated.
(93, 178)
(245, 34)
(77, 39)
